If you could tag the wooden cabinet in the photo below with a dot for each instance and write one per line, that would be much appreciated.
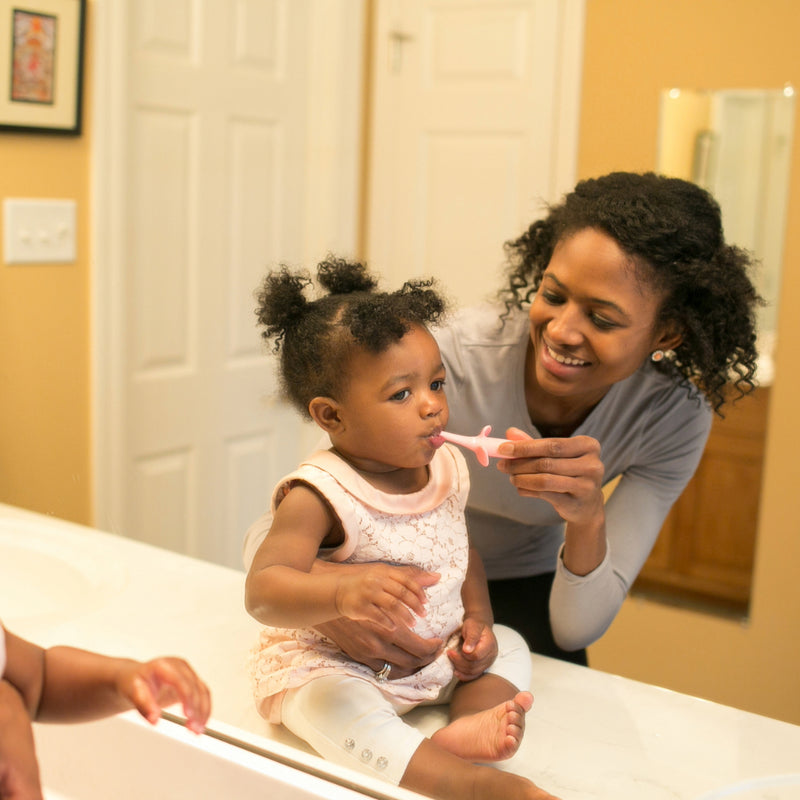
(705, 551)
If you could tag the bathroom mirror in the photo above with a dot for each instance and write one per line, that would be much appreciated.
(737, 144)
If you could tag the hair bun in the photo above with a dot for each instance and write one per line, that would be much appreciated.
(282, 303)
(340, 276)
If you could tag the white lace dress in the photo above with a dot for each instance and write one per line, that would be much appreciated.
(426, 529)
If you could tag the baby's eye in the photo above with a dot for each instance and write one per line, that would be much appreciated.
(401, 395)
(437, 386)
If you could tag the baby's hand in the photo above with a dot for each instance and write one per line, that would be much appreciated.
(477, 652)
(387, 595)
(156, 684)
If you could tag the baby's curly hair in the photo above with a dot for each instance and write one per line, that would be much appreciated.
(316, 338)
(672, 229)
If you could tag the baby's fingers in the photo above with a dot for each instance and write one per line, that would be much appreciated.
(410, 584)
(413, 596)
(144, 700)
(170, 680)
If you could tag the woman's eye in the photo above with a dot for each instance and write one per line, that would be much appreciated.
(552, 298)
(602, 323)
(401, 395)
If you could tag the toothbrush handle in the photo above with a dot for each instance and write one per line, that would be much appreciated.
(484, 446)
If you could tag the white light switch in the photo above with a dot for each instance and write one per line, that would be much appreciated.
(38, 231)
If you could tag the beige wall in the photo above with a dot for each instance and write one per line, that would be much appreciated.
(633, 51)
(44, 337)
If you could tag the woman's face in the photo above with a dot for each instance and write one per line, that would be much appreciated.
(592, 320)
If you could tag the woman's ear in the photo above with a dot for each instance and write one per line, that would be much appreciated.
(669, 339)
(325, 412)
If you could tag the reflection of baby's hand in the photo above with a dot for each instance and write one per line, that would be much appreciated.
(477, 651)
(384, 594)
(159, 683)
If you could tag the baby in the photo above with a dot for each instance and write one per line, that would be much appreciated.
(373, 529)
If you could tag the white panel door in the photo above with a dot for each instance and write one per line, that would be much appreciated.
(213, 171)
(474, 128)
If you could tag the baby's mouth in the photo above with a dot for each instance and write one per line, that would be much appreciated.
(435, 438)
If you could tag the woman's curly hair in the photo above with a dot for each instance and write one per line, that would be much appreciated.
(317, 337)
(672, 229)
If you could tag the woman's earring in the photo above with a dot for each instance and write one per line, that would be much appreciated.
(660, 355)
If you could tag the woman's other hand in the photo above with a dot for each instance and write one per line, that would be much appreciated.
(384, 594)
(374, 646)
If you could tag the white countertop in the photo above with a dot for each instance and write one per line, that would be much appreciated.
(590, 735)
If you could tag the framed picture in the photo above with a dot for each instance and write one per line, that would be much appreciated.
(41, 65)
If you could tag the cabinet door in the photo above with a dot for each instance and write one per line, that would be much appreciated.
(706, 549)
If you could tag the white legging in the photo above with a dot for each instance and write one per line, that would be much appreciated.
(351, 722)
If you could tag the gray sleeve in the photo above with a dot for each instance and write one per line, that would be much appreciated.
(583, 607)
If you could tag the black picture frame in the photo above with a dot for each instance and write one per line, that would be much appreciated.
(41, 66)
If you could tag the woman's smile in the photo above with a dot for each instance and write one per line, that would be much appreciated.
(569, 361)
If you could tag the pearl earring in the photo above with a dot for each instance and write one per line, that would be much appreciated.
(660, 355)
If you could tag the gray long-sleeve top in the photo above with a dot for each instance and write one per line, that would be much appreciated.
(652, 432)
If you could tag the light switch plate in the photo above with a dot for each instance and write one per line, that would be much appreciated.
(38, 231)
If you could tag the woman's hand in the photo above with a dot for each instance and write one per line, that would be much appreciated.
(374, 646)
(568, 474)
(386, 595)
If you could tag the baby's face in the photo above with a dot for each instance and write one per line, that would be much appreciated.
(394, 403)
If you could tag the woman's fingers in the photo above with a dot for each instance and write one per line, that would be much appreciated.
(553, 449)
(367, 643)
(567, 473)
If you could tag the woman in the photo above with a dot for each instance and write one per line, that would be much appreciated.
(626, 320)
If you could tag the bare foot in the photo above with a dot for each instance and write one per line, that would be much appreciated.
(491, 735)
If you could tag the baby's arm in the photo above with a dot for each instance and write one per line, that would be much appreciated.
(478, 648)
(65, 684)
(19, 770)
(282, 591)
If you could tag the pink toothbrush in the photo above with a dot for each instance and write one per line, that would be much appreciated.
(482, 445)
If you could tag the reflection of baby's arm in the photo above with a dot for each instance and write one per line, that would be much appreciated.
(66, 684)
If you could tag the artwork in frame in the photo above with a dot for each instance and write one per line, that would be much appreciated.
(41, 65)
